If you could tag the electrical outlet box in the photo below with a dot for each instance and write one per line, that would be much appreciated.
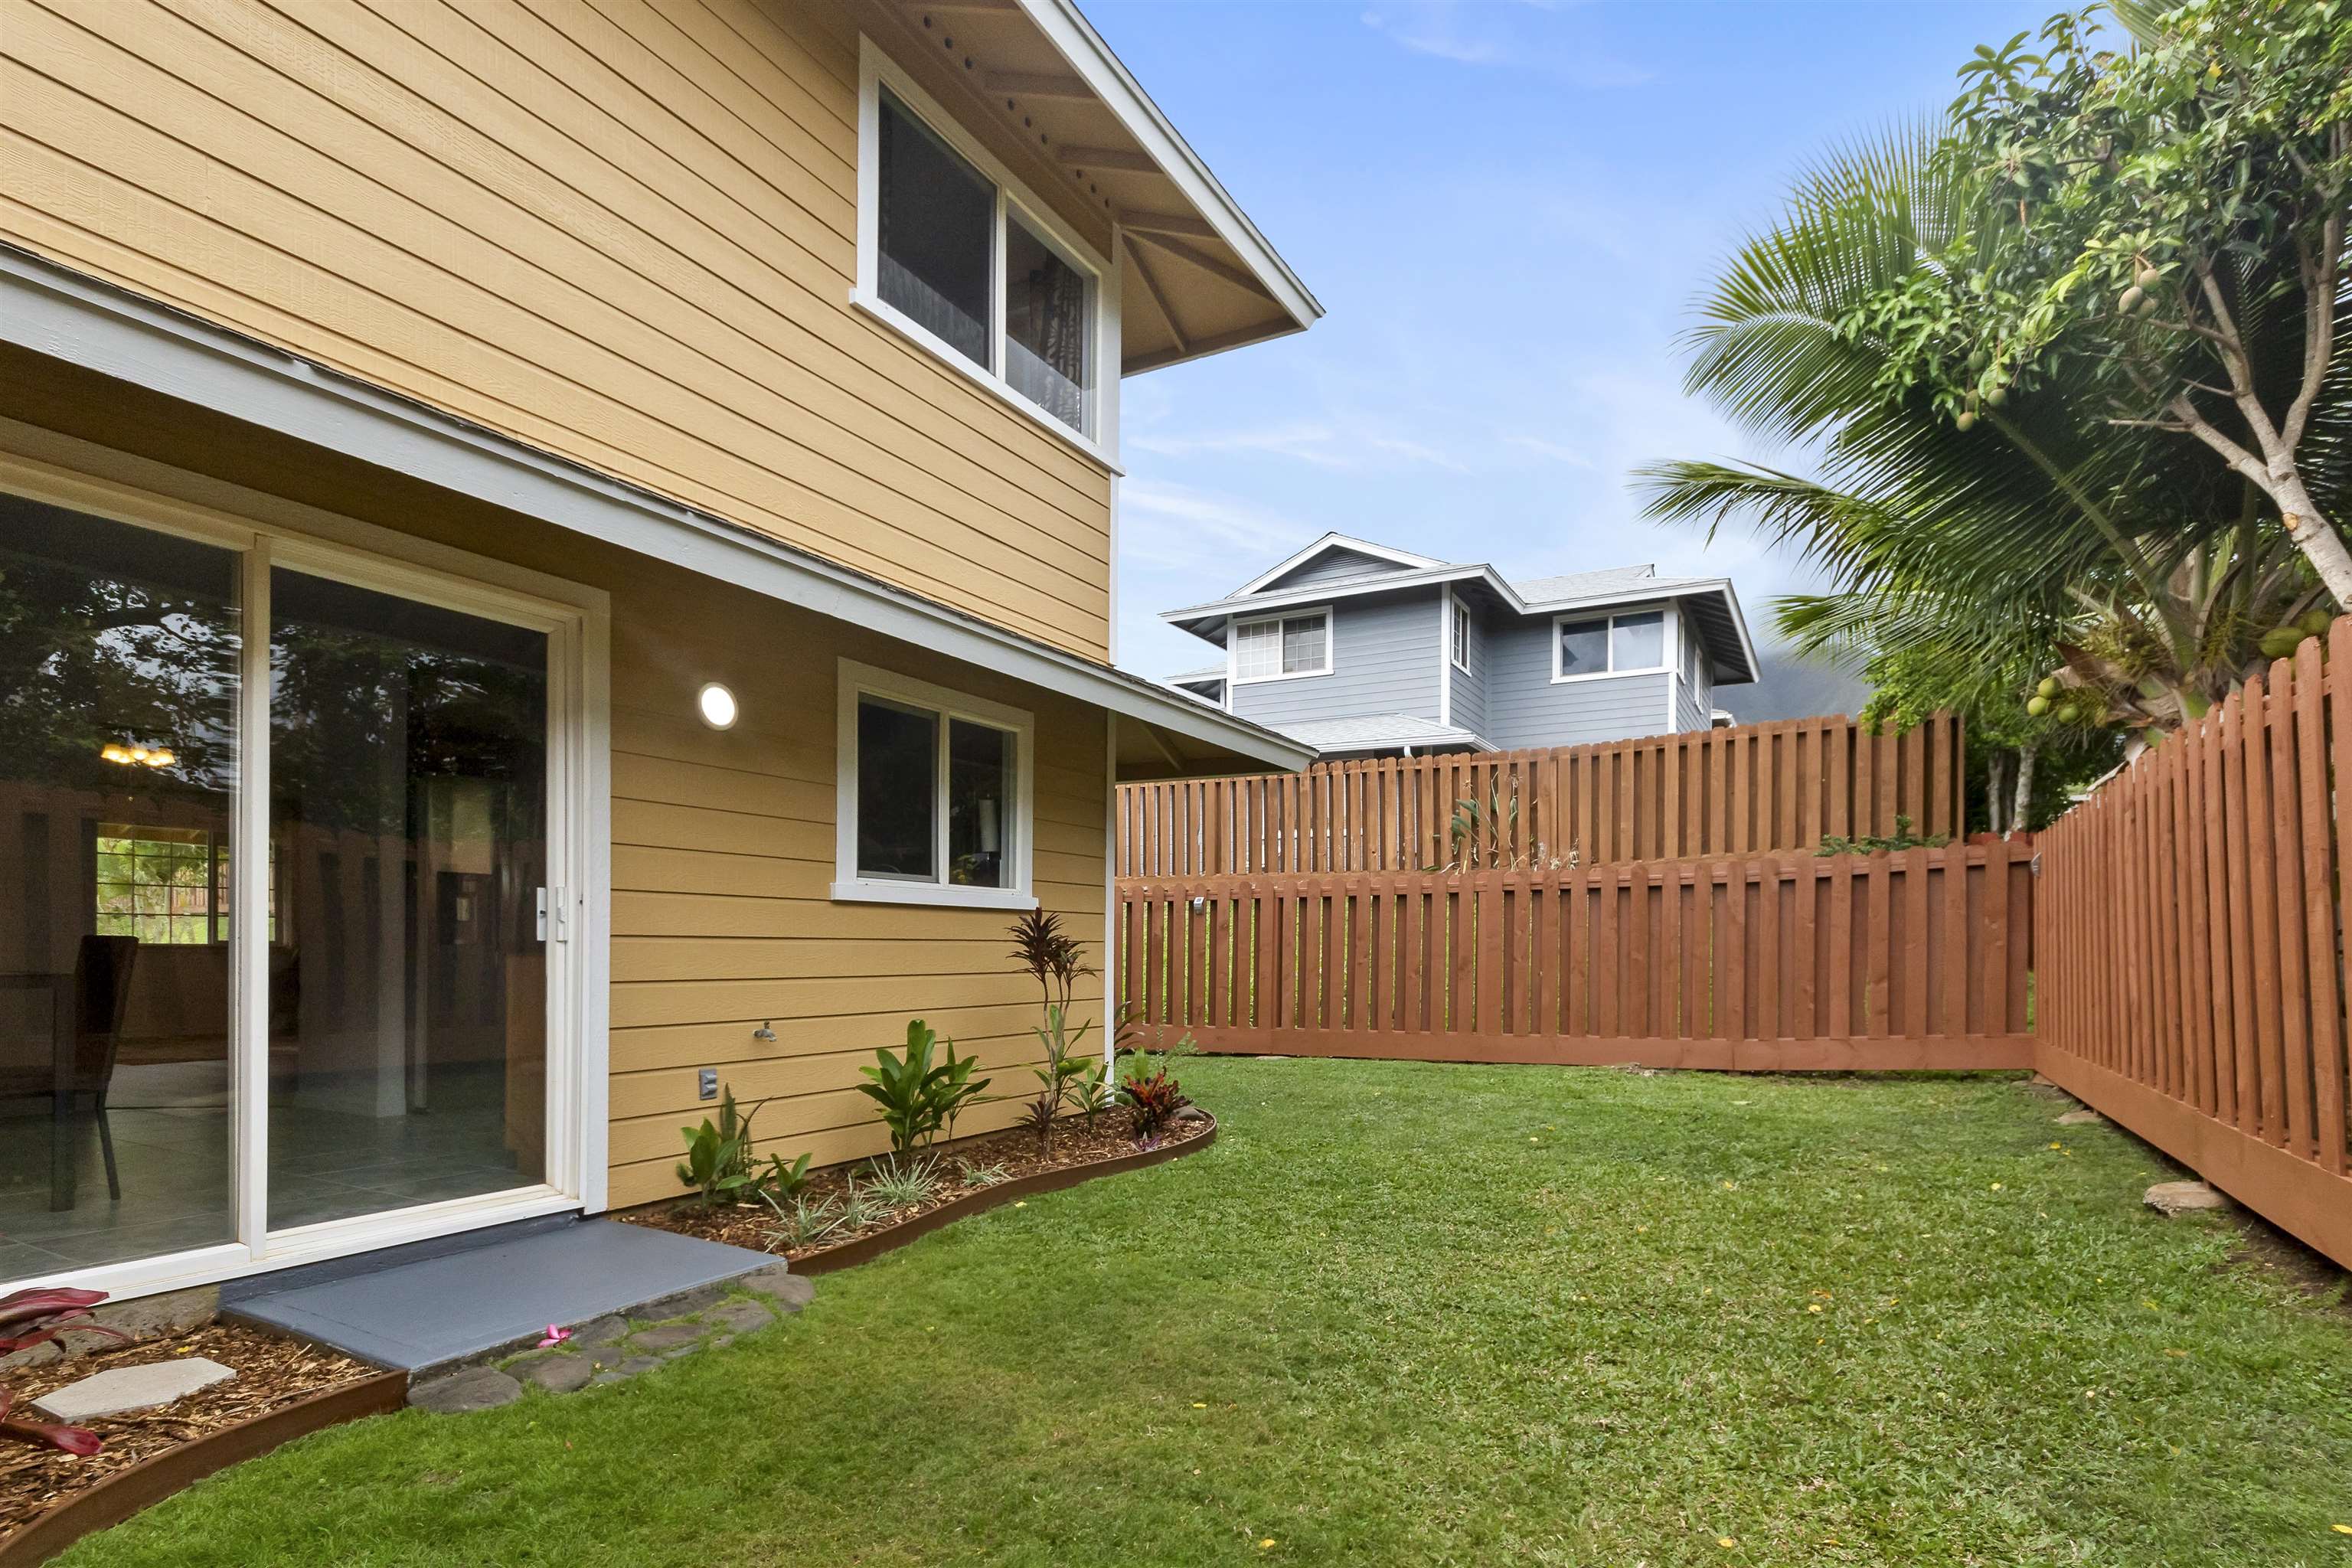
(708, 1082)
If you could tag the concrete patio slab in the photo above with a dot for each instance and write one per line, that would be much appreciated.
(446, 1301)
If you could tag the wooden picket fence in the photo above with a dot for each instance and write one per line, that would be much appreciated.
(2191, 935)
(1739, 791)
(1778, 962)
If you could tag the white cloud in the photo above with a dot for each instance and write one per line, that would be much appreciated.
(1555, 451)
(1326, 445)
(1493, 36)
(1177, 527)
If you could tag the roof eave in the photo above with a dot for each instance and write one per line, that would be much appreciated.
(1074, 38)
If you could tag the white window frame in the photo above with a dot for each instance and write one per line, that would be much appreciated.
(1099, 439)
(1665, 642)
(268, 531)
(855, 681)
(1233, 646)
(1457, 634)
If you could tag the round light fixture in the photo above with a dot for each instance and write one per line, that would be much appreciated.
(717, 705)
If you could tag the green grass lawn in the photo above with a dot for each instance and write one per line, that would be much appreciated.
(1406, 1314)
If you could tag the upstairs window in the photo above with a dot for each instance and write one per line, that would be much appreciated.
(1460, 635)
(1608, 645)
(938, 234)
(1283, 646)
(953, 255)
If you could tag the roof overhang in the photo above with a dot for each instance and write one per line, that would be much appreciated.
(1196, 276)
(79, 321)
(1720, 617)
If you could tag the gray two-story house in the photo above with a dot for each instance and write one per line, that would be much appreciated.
(1358, 649)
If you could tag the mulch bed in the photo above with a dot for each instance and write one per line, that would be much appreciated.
(272, 1372)
(1014, 1149)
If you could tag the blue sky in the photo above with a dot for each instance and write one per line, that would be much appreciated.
(1507, 210)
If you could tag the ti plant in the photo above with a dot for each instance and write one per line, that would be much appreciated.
(1150, 1096)
(37, 1317)
(917, 1093)
(1059, 1079)
(718, 1158)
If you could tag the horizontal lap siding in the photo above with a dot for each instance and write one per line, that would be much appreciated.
(621, 231)
(1525, 707)
(1383, 660)
(722, 859)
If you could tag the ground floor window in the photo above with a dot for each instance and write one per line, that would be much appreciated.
(935, 793)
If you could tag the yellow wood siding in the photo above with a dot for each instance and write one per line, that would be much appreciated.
(722, 842)
(621, 230)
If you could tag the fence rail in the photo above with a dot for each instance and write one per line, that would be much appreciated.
(1775, 962)
(2193, 978)
(1740, 791)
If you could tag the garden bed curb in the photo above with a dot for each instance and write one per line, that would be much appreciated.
(865, 1249)
(151, 1481)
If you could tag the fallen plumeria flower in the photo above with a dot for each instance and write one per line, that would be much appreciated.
(77, 1440)
(555, 1336)
(57, 1310)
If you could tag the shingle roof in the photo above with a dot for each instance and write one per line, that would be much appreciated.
(1372, 731)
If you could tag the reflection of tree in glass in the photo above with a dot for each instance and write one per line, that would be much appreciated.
(340, 698)
(89, 660)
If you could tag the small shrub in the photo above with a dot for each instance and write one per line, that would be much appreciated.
(1064, 1068)
(898, 1184)
(805, 1224)
(784, 1180)
(859, 1210)
(918, 1096)
(718, 1158)
(1151, 1095)
(984, 1175)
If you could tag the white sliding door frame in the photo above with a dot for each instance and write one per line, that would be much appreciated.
(269, 532)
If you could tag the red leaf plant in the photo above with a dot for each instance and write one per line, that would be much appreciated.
(53, 1309)
(78, 1440)
(42, 1313)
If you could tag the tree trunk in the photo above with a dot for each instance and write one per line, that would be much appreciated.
(2023, 812)
(2316, 537)
(1996, 765)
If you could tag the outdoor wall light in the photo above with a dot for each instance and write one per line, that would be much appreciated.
(139, 756)
(716, 706)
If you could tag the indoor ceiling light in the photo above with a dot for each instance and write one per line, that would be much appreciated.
(717, 705)
(139, 756)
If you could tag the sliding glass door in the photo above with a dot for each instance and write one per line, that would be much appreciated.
(407, 822)
(281, 855)
(119, 651)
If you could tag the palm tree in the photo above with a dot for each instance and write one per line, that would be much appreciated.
(2009, 535)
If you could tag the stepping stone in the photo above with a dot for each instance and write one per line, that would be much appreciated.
(606, 1330)
(788, 1290)
(476, 1388)
(2081, 1119)
(667, 1337)
(629, 1368)
(2184, 1197)
(682, 1304)
(742, 1317)
(562, 1374)
(121, 1388)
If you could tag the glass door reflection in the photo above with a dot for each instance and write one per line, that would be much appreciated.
(408, 824)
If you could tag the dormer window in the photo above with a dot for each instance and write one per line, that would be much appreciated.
(952, 253)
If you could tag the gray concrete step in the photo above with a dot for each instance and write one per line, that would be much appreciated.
(433, 1303)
